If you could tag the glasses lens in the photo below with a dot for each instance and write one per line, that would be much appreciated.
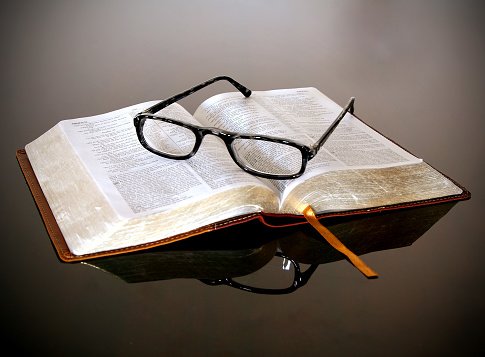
(278, 274)
(168, 138)
(268, 157)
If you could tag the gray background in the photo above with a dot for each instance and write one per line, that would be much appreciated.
(416, 69)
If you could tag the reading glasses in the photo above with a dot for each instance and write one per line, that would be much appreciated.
(260, 155)
(289, 277)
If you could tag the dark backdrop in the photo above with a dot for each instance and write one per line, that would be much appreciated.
(416, 69)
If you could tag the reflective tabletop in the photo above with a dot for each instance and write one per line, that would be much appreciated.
(416, 70)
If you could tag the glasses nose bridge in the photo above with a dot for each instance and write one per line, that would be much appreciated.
(223, 135)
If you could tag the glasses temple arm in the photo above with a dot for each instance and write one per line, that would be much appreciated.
(165, 103)
(349, 107)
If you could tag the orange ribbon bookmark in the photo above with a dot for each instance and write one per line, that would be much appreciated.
(310, 216)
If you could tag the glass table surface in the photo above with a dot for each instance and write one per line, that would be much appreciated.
(416, 71)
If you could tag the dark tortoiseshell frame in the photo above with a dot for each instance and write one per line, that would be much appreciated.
(299, 279)
(307, 152)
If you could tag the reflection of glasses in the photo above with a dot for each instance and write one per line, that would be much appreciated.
(280, 276)
(177, 140)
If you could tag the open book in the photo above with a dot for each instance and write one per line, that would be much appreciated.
(108, 194)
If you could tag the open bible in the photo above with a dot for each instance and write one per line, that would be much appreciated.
(108, 195)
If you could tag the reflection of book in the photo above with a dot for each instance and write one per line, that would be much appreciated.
(364, 234)
(105, 194)
(242, 250)
(232, 252)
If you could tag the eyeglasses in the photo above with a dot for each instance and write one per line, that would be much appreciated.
(282, 276)
(260, 155)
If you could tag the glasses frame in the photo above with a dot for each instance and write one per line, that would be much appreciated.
(228, 137)
(299, 280)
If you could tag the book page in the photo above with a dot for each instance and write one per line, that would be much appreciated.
(303, 115)
(344, 190)
(137, 182)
